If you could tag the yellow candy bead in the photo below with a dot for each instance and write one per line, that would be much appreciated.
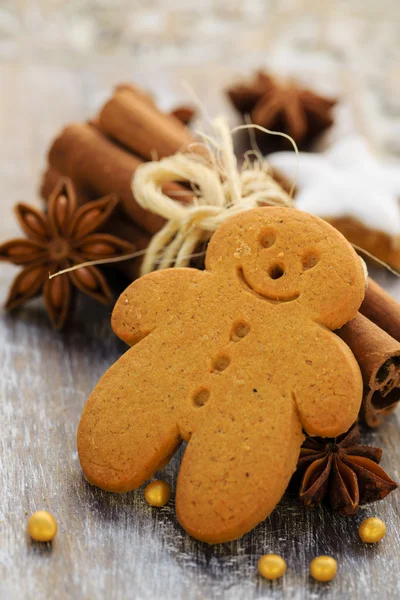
(271, 566)
(157, 493)
(42, 526)
(323, 568)
(372, 530)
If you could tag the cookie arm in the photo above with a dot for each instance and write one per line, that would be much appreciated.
(154, 299)
(329, 387)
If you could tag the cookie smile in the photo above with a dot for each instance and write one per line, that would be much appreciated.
(274, 298)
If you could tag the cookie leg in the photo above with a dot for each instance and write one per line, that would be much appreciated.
(234, 472)
(124, 435)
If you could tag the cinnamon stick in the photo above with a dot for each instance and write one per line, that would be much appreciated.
(98, 166)
(183, 112)
(134, 121)
(49, 181)
(137, 91)
(378, 355)
(382, 309)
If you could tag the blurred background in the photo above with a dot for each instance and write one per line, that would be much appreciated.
(59, 61)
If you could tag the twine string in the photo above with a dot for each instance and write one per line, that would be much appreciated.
(221, 190)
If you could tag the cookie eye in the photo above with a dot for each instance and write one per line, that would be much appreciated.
(267, 238)
(310, 259)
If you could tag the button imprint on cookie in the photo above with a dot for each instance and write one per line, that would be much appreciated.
(201, 397)
(240, 330)
(220, 364)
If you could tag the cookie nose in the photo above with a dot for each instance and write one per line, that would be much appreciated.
(276, 271)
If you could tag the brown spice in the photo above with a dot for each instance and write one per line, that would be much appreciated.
(118, 225)
(378, 355)
(183, 112)
(137, 124)
(382, 309)
(63, 237)
(97, 166)
(342, 471)
(282, 105)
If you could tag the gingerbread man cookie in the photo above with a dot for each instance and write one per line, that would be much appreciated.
(236, 360)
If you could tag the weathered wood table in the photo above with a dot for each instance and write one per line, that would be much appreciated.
(111, 546)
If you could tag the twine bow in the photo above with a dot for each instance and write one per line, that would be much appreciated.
(220, 190)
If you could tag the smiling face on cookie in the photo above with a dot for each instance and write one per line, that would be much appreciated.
(285, 256)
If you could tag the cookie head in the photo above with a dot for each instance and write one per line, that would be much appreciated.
(288, 257)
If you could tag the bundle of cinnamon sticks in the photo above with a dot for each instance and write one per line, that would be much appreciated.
(102, 155)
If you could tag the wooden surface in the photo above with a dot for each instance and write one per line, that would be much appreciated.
(111, 546)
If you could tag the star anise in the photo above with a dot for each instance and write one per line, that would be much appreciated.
(282, 105)
(341, 471)
(63, 237)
